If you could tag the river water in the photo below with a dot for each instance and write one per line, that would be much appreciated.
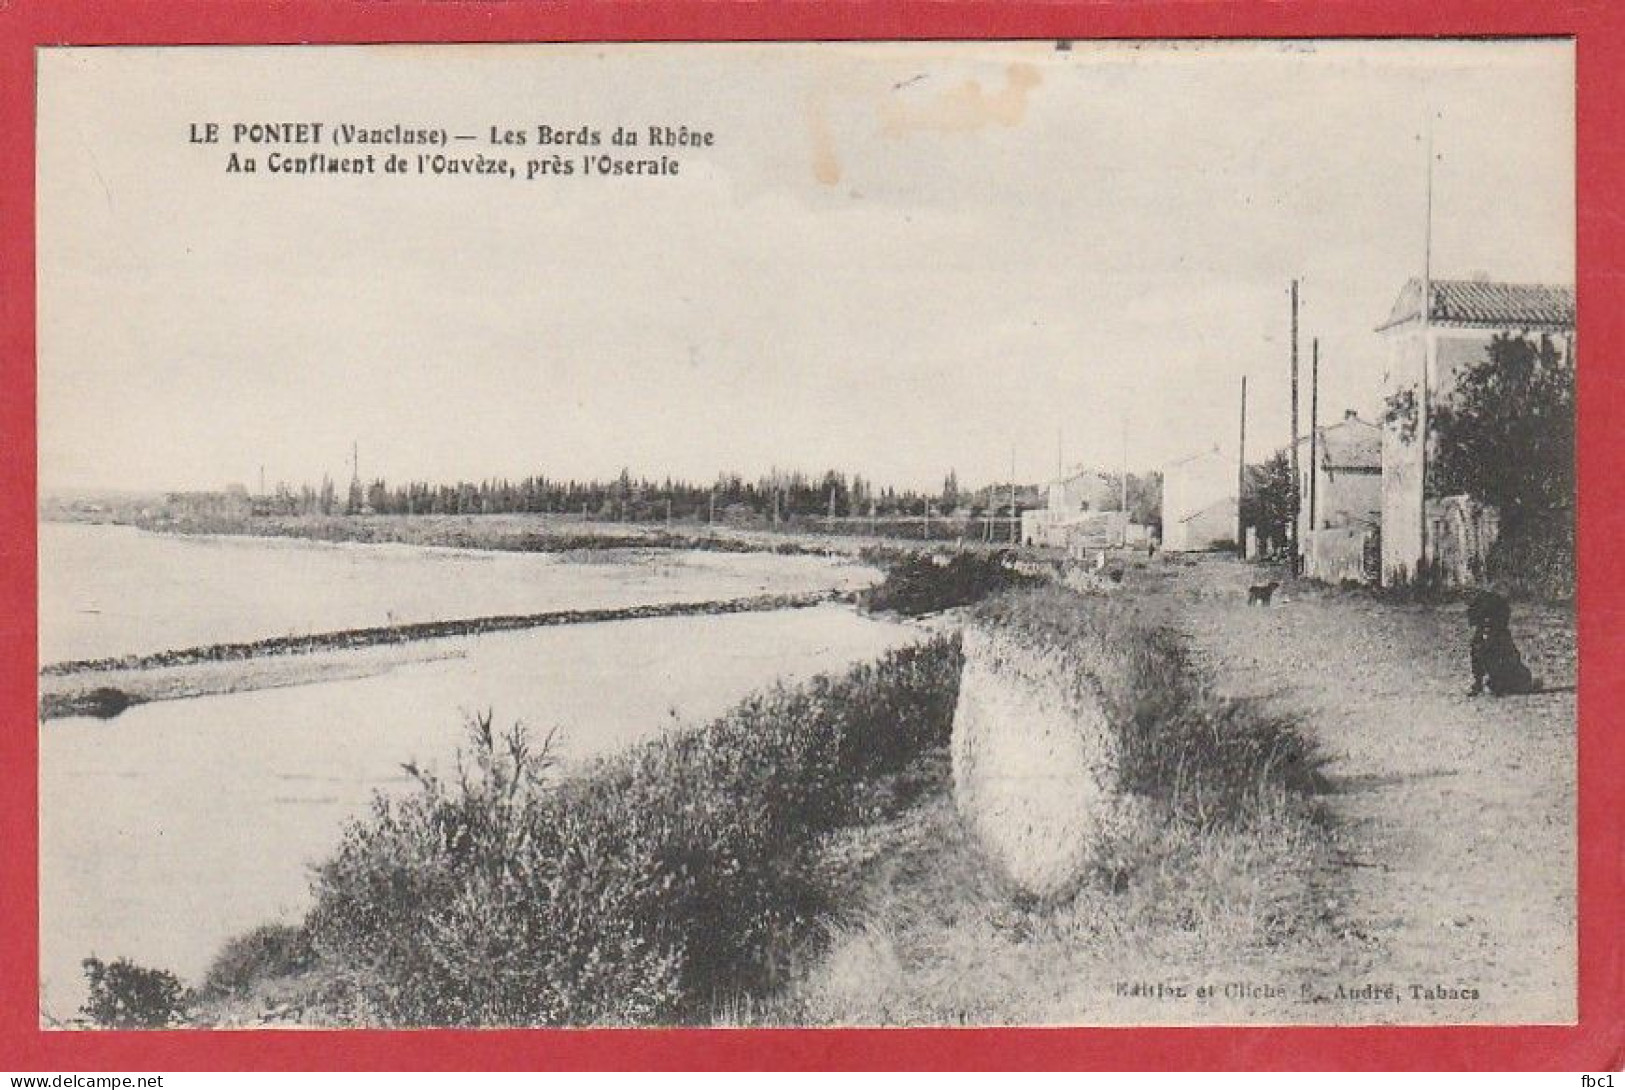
(179, 824)
(115, 590)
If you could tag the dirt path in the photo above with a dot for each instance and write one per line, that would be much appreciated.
(1455, 879)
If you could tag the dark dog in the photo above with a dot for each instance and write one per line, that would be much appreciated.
(1259, 594)
(1497, 666)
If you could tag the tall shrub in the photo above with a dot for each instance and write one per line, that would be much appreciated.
(646, 890)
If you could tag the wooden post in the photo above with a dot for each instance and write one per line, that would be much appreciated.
(1314, 431)
(1241, 474)
(1015, 528)
(1297, 499)
(1423, 425)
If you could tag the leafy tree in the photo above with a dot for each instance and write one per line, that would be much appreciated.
(1505, 434)
(1266, 504)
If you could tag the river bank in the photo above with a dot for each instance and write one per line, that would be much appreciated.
(209, 812)
(893, 913)
(270, 686)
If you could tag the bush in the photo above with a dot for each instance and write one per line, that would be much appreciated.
(919, 583)
(265, 953)
(124, 995)
(1535, 560)
(646, 890)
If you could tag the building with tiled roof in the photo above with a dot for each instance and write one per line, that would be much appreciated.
(1346, 489)
(1437, 342)
(1485, 304)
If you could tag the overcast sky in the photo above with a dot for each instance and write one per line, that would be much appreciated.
(897, 259)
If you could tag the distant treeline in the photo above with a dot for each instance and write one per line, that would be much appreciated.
(730, 498)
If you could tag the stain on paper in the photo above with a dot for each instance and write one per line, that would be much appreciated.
(966, 107)
(826, 164)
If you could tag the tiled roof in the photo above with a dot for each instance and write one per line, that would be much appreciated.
(1487, 303)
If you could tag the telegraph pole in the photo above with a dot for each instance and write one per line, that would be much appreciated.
(355, 499)
(1297, 498)
(1241, 474)
(1422, 422)
(1314, 429)
(1013, 521)
(1122, 489)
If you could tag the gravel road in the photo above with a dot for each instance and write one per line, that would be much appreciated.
(1454, 881)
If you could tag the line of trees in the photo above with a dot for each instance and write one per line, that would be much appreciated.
(776, 496)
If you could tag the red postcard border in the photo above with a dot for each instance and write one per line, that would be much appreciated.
(1596, 1043)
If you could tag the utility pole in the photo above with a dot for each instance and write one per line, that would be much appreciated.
(354, 506)
(1013, 520)
(1314, 430)
(1122, 489)
(1423, 423)
(1241, 473)
(1297, 499)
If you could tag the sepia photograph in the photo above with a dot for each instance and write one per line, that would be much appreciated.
(827, 534)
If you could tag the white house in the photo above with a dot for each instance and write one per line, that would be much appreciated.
(1453, 331)
(1082, 511)
(1199, 501)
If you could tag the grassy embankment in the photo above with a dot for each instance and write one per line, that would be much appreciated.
(798, 861)
(1214, 879)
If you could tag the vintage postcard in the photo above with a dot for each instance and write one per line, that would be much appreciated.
(1041, 533)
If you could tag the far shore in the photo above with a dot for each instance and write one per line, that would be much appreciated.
(551, 533)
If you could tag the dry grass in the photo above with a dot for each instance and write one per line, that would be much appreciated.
(1214, 882)
(933, 935)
